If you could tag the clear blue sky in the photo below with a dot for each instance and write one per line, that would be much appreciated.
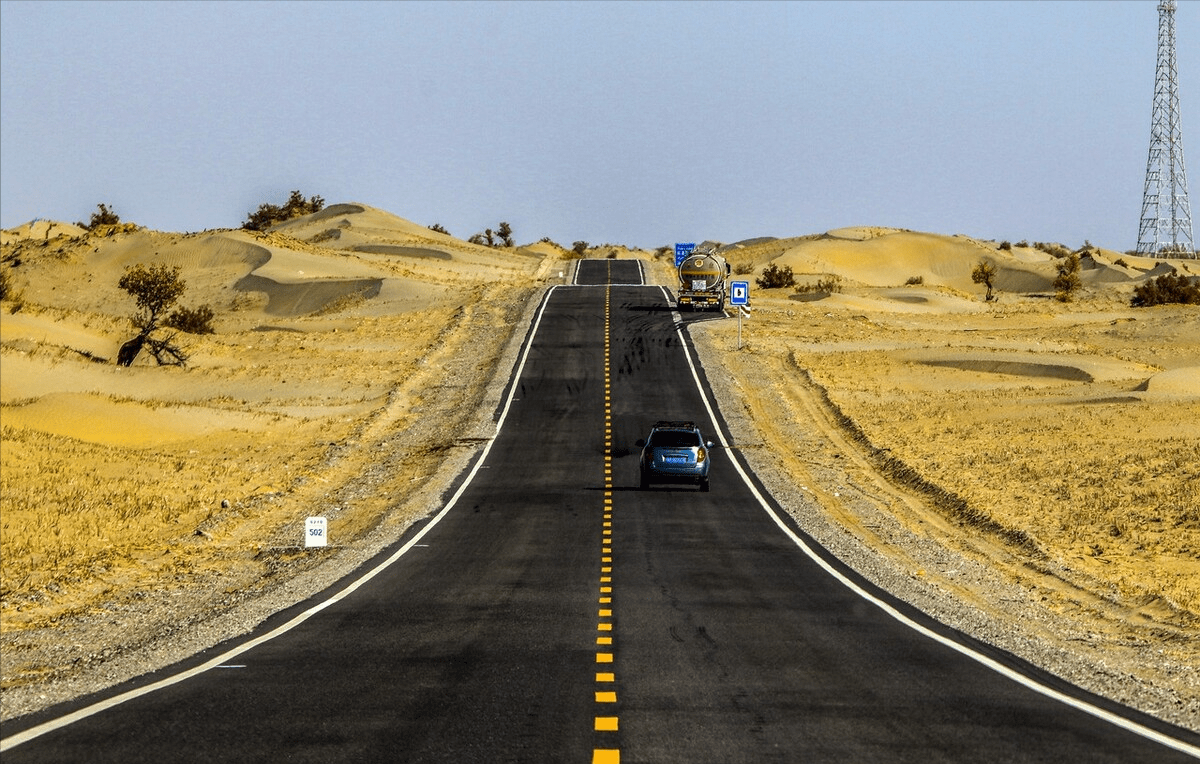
(612, 122)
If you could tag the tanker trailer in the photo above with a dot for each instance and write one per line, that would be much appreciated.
(702, 281)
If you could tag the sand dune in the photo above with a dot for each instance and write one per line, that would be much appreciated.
(352, 337)
(1183, 381)
(889, 257)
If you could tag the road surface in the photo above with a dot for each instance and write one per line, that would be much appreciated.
(555, 613)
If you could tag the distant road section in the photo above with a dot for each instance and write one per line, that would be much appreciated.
(555, 613)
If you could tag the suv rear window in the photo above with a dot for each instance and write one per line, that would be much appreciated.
(673, 439)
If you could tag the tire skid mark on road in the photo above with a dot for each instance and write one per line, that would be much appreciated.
(606, 750)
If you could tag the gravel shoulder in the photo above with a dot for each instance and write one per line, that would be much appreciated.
(892, 536)
(898, 541)
(408, 458)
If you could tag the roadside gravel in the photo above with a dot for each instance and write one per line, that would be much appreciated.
(962, 589)
(145, 631)
(971, 584)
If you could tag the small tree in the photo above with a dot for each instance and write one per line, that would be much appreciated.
(505, 232)
(984, 273)
(776, 277)
(102, 216)
(1067, 281)
(156, 289)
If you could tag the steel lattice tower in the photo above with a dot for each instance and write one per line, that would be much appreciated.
(1166, 228)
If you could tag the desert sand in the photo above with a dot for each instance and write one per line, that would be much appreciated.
(1033, 461)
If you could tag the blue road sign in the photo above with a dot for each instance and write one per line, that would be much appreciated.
(682, 251)
(739, 293)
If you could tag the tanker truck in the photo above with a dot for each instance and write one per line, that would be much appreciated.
(703, 277)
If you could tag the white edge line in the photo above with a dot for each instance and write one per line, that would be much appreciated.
(991, 663)
(63, 721)
(227, 657)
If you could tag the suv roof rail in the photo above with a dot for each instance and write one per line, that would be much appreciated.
(675, 425)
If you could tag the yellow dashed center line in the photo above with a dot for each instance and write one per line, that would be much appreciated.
(606, 696)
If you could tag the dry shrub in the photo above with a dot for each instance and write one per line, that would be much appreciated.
(103, 216)
(1067, 282)
(1168, 288)
(296, 206)
(776, 277)
(828, 285)
(198, 321)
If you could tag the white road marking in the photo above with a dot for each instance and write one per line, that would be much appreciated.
(226, 658)
(222, 660)
(1000, 668)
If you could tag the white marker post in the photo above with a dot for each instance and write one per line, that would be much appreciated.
(739, 297)
(315, 532)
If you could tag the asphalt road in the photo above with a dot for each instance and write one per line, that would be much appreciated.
(555, 613)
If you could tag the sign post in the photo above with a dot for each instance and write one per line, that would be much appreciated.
(739, 297)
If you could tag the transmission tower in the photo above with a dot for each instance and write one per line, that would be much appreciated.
(1166, 228)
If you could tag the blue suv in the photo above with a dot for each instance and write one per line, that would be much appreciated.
(675, 452)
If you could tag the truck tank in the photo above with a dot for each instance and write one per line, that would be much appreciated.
(702, 281)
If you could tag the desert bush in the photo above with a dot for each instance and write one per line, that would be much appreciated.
(1022, 243)
(439, 228)
(743, 269)
(198, 321)
(1121, 262)
(776, 277)
(915, 281)
(580, 247)
(1054, 250)
(1066, 283)
(268, 215)
(102, 216)
(827, 285)
(1004, 245)
(501, 237)
(1168, 288)
(984, 273)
